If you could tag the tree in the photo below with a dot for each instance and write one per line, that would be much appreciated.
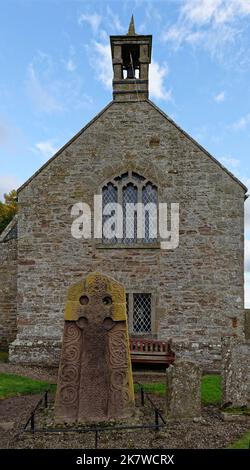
(8, 209)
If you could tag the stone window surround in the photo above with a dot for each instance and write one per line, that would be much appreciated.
(153, 294)
(119, 185)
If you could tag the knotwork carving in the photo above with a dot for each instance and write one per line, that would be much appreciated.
(118, 349)
(96, 285)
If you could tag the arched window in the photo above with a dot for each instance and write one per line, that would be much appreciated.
(129, 189)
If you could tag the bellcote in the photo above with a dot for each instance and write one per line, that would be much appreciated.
(131, 56)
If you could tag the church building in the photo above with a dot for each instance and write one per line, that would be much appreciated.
(192, 294)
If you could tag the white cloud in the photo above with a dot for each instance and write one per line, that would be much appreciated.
(175, 34)
(42, 95)
(247, 290)
(152, 13)
(93, 19)
(47, 148)
(142, 28)
(70, 63)
(247, 256)
(114, 21)
(109, 18)
(247, 210)
(212, 39)
(101, 62)
(246, 181)
(231, 162)
(211, 24)
(157, 75)
(241, 123)
(7, 183)
(202, 12)
(220, 97)
(51, 94)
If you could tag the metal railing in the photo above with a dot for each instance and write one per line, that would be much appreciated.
(95, 429)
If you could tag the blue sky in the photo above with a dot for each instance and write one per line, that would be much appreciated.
(56, 75)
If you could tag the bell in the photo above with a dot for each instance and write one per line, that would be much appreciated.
(130, 72)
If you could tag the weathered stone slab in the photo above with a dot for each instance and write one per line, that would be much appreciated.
(7, 425)
(235, 418)
(183, 390)
(235, 372)
(247, 323)
(95, 376)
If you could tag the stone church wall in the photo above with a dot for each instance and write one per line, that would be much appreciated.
(8, 292)
(198, 288)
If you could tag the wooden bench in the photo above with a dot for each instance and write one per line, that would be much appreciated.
(149, 351)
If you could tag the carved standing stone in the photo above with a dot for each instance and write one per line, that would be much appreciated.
(95, 376)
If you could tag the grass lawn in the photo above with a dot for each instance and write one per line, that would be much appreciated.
(159, 388)
(11, 385)
(242, 443)
(210, 389)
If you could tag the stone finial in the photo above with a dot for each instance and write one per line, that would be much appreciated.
(131, 29)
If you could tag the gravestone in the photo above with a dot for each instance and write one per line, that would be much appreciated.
(95, 376)
(235, 372)
(183, 390)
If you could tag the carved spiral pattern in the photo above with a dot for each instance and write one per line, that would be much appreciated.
(68, 394)
(70, 373)
(119, 379)
(72, 332)
(72, 353)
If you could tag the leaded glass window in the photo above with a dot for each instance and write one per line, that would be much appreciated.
(109, 196)
(142, 313)
(149, 199)
(129, 198)
(139, 313)
(128, 189)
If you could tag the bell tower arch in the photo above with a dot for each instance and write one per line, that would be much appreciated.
(131, 56)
